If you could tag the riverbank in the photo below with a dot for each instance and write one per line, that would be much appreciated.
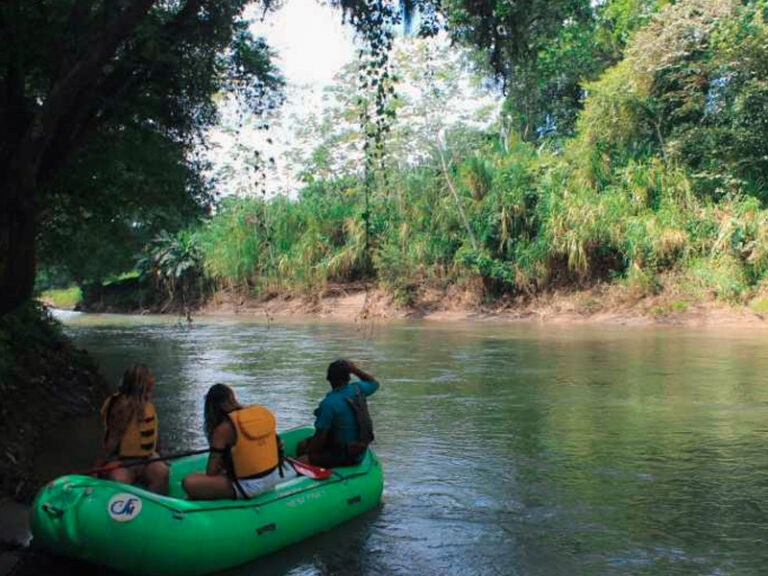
(44, 381)
(675, 301)
(602, 304)
(131, 295)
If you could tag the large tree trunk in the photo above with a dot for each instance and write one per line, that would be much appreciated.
(17, 252)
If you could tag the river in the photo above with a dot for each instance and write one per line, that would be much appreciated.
(507, 448)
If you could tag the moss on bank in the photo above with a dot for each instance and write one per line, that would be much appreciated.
(44, 380)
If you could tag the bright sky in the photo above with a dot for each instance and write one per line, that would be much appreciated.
(311, 46)
(311, 42)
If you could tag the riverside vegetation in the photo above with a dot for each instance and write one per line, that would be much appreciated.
(660, 187)
(44, 380)
(630, 152)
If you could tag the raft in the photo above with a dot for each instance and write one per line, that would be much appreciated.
(133, 531)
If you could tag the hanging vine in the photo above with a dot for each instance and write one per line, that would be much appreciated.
(375, 22)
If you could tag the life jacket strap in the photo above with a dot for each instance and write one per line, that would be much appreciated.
(239, 488)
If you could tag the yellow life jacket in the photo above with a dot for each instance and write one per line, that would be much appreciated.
(140, 437)
(255, 451)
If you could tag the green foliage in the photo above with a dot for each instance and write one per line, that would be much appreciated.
(665, 175)
(101, 107)
(540, 219)
(29, 327)
(546, 51)
(721, 277)
(692, 89)
(130, 185)
(173, 261)
(534, 47)
(172, 257)
(256, 243)
(759, 305)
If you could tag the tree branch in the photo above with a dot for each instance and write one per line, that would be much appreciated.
(13, 112)
(25, 165)
(76, 33)
(91, 112)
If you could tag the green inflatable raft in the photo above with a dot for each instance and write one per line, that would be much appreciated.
(134, 531)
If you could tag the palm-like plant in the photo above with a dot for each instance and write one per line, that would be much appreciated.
(173, 261)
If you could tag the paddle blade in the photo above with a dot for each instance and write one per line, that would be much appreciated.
(310, 470)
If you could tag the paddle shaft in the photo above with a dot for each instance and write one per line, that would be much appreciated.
(315, 472)
(115, 464)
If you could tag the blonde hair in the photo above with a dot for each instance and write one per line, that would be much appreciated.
(136, 387)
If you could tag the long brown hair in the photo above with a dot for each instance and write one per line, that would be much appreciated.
(136, 386)
(219, 401)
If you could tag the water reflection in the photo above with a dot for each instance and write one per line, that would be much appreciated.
(507, 449)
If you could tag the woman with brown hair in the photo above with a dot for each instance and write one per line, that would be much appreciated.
(245, 456)
(130, 431)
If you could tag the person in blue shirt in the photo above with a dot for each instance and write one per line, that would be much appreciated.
(338, 440)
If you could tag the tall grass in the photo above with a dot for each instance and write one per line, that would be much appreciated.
(541, 219)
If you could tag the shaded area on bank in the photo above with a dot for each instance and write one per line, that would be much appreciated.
(44, 380)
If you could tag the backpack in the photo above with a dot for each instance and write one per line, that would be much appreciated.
(359, 407)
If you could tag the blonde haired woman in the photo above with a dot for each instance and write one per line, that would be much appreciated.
(130, 431)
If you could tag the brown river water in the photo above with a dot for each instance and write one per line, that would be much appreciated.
(507, 448)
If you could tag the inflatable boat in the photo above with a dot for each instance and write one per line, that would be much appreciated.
(134, 531)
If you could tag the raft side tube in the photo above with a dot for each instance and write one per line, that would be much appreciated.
(134, 531)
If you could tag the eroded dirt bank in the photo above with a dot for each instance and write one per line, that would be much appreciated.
(601, 305)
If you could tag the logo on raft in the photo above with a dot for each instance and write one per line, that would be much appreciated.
(124, 507)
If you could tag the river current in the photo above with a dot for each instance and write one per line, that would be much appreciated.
(507, 448)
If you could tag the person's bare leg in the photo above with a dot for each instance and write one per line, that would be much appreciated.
(156, 476)
(124, 475)
(200, 486)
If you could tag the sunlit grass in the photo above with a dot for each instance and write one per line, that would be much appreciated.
(759, 305)
(62, 297)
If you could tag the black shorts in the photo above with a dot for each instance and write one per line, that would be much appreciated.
(336, 457)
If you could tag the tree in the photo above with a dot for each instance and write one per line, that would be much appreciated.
(114, 197)
(437, 89)
(691, 90)
(78, 74)
(544, 50)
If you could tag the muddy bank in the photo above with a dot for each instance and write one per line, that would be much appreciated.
(136, 296)
(603, 304)
(44, 382)
(140, 295)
